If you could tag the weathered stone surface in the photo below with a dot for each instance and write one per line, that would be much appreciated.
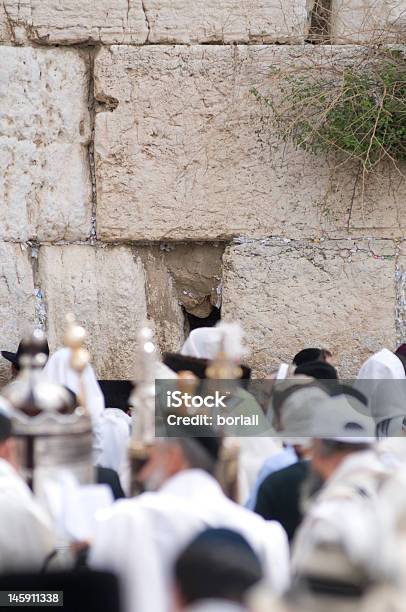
(368, 20)
(105, 288)
(45, 190)
(162, 301)
(5, 30)
(334, 294)
(208, 21)
(17, 302)
(196, 270)
(188, 153)
(156, 21)
(75, 21)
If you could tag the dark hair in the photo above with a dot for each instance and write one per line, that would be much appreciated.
(402, 356)
(5, 427)
(201, 453)
(318, 369)
(306, 355)
(217, 564)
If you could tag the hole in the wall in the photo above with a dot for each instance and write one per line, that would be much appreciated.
(184, 288)
(194, 322)
(320, 22)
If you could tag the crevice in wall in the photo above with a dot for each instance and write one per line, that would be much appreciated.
(91, 102)
(210, 321)
(40, 319)
(104, 103)
(144, 8)
(183, 287)
(320, 22)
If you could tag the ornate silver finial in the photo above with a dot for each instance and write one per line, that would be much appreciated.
(143, 402)
(74, 338)
(143, 397)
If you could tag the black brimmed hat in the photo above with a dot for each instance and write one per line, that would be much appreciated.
(197, 365)
(23, 349)
(116, 393)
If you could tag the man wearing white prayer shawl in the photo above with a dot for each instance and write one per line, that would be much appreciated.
(382, 380)
(139, 539)
(26, 535)
(344, 536)
(58, 369)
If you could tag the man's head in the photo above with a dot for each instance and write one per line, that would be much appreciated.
(320, 370)
(327, 455)
(169, 456)
(294, 402)
(7, 442)
(218, 564)
(312, 354)
(36, 343)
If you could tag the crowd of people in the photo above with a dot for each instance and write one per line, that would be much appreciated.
(311, 515)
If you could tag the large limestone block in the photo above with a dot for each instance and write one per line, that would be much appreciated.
(17, 302)
(105, 288)
(208, 21)
(368, 20)
(294, 294)
(77, 21)
(188, 153)
(45, 189)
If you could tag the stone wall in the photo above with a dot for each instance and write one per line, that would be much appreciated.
(140, 178)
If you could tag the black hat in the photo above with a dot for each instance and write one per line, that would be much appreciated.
(24, 349)
(179, 363)
(116, 393)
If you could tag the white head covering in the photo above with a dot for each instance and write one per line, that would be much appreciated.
(337, 419)
(59, 370)
(311, 413)
(382, 380)
(115, 428)
(299, 413)
(204, 342)
(382, 365)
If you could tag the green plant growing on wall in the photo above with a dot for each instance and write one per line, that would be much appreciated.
(356, 112)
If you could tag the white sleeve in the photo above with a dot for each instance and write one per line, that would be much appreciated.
(123, 544)
(26, 535)
(276, 557)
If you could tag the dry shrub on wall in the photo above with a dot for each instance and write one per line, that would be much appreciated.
(354, 110)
